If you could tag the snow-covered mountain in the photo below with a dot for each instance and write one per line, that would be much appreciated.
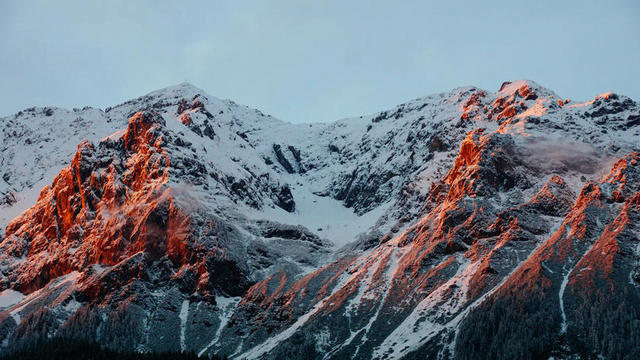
(466, 224)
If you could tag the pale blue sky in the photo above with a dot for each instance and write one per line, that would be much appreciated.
(311, 60)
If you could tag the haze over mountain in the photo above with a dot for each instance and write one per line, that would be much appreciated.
(466, 224)
(311, 61)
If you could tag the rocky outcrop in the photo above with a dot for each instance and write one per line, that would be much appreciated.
(556, 287)
(119, 228)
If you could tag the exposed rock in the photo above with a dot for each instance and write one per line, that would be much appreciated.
(282, 159)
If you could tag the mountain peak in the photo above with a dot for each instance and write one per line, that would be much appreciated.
(183, 89)
(509, 88)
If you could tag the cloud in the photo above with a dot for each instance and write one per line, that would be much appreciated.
(560, 156)
(308, 61)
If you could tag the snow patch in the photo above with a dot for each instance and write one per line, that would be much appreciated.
(184, 312)
(10, 297)
(226, 306)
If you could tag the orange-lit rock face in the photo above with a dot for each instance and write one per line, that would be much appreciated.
(506, 107)
(613, 249)
(100, 210)
(185, 119)
(591, 243)
(484, 164)
(474, 105)
(621, 177)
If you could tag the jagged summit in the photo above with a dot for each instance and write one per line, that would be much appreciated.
(184, 90)
(508, 88)
(450, 226)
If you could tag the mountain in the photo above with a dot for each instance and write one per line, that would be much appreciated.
(466, 224)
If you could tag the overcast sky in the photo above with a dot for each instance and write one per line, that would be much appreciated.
(311, 60)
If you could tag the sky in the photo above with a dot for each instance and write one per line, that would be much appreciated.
(308, 61)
